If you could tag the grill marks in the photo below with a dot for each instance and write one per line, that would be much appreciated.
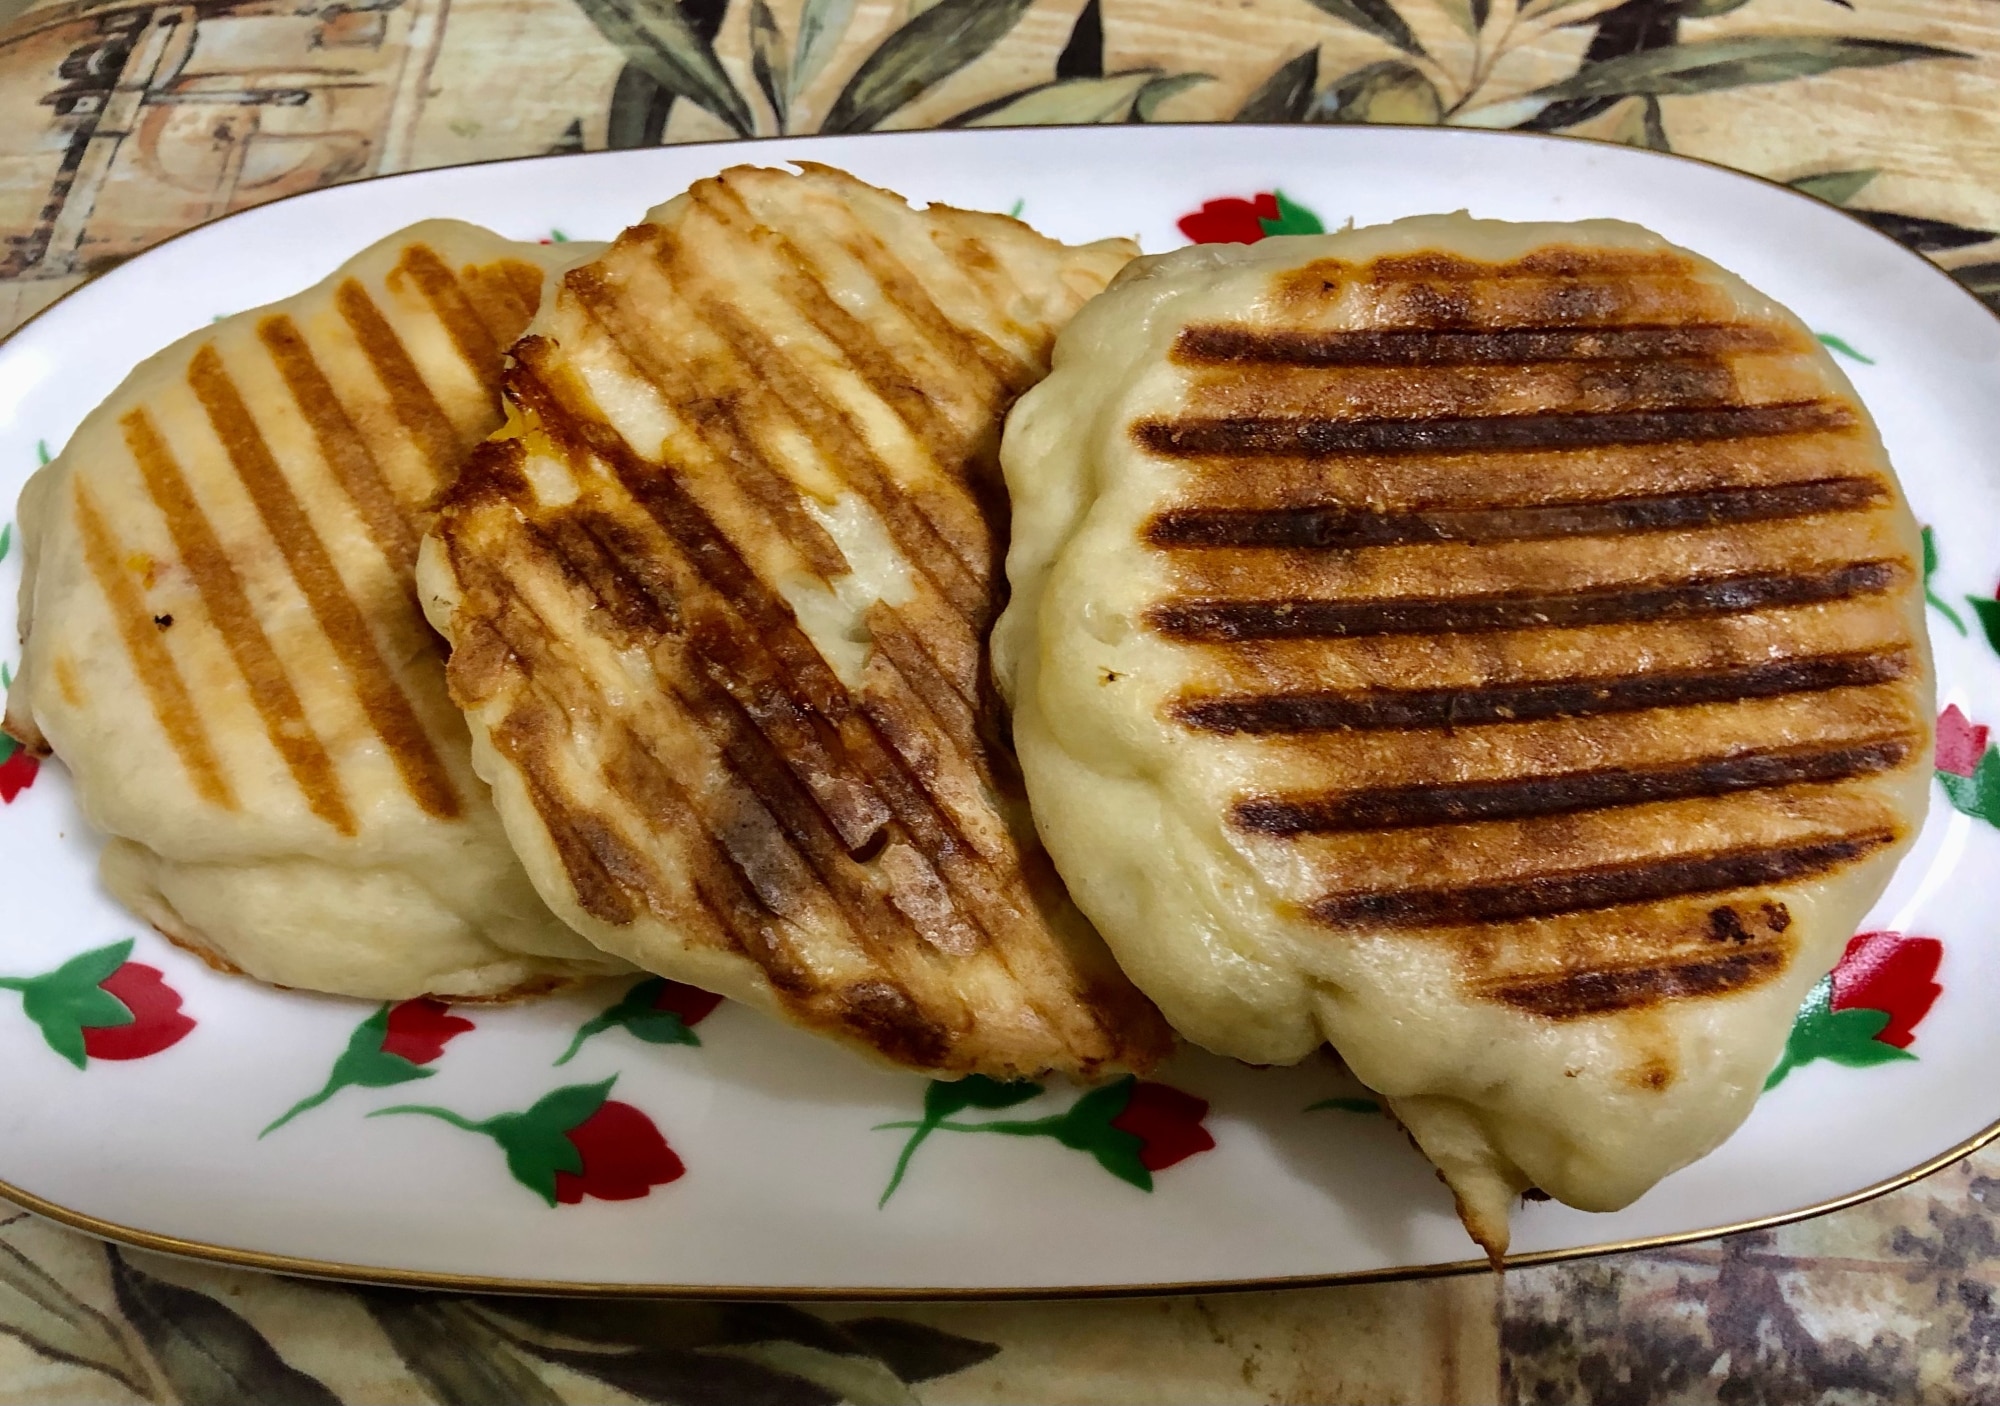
(1348, 528)
(228, 605)
(1599, 886)
(416, 407)
(847, 837)
(1565, 793)
(479, 309)
(340, 444)
(1269, 436)
(1246, 346)
(312, 567)
(1557, 339)
(1391, 709)
(1568, 995)
(165, 689)
(1231, 621)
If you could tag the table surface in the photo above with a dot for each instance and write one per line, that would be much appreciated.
(123, 121)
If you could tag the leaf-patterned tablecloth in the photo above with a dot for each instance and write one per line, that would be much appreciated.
(122, 121)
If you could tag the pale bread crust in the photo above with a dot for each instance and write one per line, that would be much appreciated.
(1209, 921)
(398, 901)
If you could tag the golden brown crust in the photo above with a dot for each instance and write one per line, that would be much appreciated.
(1403, 534)
(837, 820)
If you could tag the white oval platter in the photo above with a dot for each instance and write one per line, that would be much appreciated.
(784, 1167)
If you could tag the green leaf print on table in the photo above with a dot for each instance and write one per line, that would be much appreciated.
(181, 1339)
(672, 58)
(1132, 1127)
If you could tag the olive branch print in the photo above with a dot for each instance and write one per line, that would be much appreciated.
(669, 49)
(165, 1332)
(1636, 52)
(806, 74)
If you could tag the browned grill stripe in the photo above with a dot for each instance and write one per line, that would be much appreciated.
(1601, 886)
(1396, 709)
(1232, 621)
(903, 290)
(694, 381)
(223, 596)
(610, 881)
(165, 689)
(772, 823)
(803, 284)
(729, 401)
(416, 407)
(495, 297)
(375, 688)
(831, 425)
(768, 832)
(1569, 995)
(596, 862)
(341, 445)
(1565, 793)
(1254, 435)
(1506, 346)
(612, 563)
(527, 280)
(1343, 527)
(456, 312)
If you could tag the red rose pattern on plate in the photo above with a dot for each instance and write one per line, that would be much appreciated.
(573, 1143)
(1968, 768)
(1867, 1009)
(578, 1142)
(100, 1006)
(17, 764)
(1234, 220)
(391, 1047)
(1132, 1127)
(656, 1010)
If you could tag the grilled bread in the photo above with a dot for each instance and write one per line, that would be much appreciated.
(717, 599)
(222, 640)
(1494, 649)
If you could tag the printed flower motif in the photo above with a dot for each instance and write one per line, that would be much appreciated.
(100, 1006)
(1987, 610)
(658, 1011)
(1167, 1123)
(388, 1048)
(573, 1143)
(1931, 597)
(1345, 1105)
(1960, 743)
(419, 1030)
(1885, 971)
(1867, 1009)
(18, 767)
(1236, 221)
(1132, 1127)
(1967, 768)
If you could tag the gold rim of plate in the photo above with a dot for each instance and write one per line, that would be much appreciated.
(489, 1284)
